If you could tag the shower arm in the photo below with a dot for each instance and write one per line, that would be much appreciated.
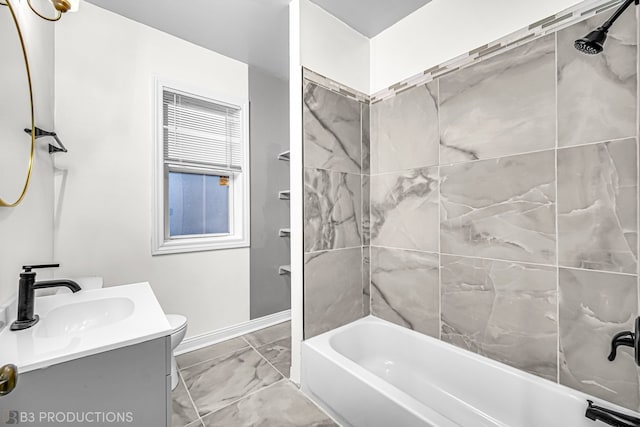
(609, 22)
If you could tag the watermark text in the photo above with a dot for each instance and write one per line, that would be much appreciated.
(66, 417)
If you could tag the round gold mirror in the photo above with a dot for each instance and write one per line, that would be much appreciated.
(16, 110)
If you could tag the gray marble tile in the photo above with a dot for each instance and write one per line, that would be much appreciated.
(366, 280)
(332, 210)
(594, 306)
(404, 209)
(501, 106)
(269, 335)
(404, 130)
(332, 290)
(405, 289)
(366, 210)
(366, 138)
(597, 206)
(597, 93)
(281, 405)
(211, 352)
(278, 353)
(218, 382)
(183, 410)
(332, 128)
(502, 310)
(501, 208)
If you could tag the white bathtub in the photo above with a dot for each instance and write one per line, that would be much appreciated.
(373, 373)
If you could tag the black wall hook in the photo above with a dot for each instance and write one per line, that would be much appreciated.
(628, 339)
(39, 133)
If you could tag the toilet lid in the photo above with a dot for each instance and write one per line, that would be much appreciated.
(177, 321)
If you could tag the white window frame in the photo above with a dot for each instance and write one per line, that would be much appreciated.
(239, 190)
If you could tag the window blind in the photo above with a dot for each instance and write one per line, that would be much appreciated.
(201, 132)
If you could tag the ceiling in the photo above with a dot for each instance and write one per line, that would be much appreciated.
(253, 31)
(370, 17)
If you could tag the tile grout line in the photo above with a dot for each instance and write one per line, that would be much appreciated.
(264, 358)
(213, 358)
(370, 278)
(195, 423)
(284, 378)
(440, 323)
(249, 345)
(370, 204)
(535, 264)
(555, 166)
(331, 170)
(332, 250)
(465, 162)
(362, 191)
(637, 11)
(361, 231)
(193, 403)
(361, 182)
(243, 397)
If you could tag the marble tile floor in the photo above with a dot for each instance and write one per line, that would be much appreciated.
(243, 382)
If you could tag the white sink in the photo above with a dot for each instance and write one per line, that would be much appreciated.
(77, 318)
(88, 322)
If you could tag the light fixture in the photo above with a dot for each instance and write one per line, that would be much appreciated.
(61, 6)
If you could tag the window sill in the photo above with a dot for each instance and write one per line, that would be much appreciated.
(177, 247)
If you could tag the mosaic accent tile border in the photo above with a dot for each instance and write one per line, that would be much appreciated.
(334, 86)
(548, 25)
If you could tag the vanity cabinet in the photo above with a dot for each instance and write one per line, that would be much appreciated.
(128, 386)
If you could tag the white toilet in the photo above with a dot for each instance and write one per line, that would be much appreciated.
(178, 331)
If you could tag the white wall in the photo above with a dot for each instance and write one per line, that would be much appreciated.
(296, 173)
(26, 234)
(104, 113)
(332, 48)
(444, 29)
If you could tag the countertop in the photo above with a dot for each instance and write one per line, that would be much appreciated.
(30, 350)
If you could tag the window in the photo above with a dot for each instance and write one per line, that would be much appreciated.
(201, 172)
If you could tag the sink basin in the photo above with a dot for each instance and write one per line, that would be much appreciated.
(73, 326)
(76, 318)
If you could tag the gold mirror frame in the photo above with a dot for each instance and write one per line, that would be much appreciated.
(4, 203)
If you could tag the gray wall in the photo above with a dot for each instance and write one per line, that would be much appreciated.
(504, 209)
(269, 129)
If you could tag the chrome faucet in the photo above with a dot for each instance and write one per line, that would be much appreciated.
(26, 294)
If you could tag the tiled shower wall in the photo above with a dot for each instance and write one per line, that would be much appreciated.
(336, 199)
(504, 208)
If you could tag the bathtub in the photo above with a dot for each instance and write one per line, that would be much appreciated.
(373, 373)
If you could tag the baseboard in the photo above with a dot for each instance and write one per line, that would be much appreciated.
(204, 340)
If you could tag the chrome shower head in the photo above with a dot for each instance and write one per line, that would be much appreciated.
(592, 43)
